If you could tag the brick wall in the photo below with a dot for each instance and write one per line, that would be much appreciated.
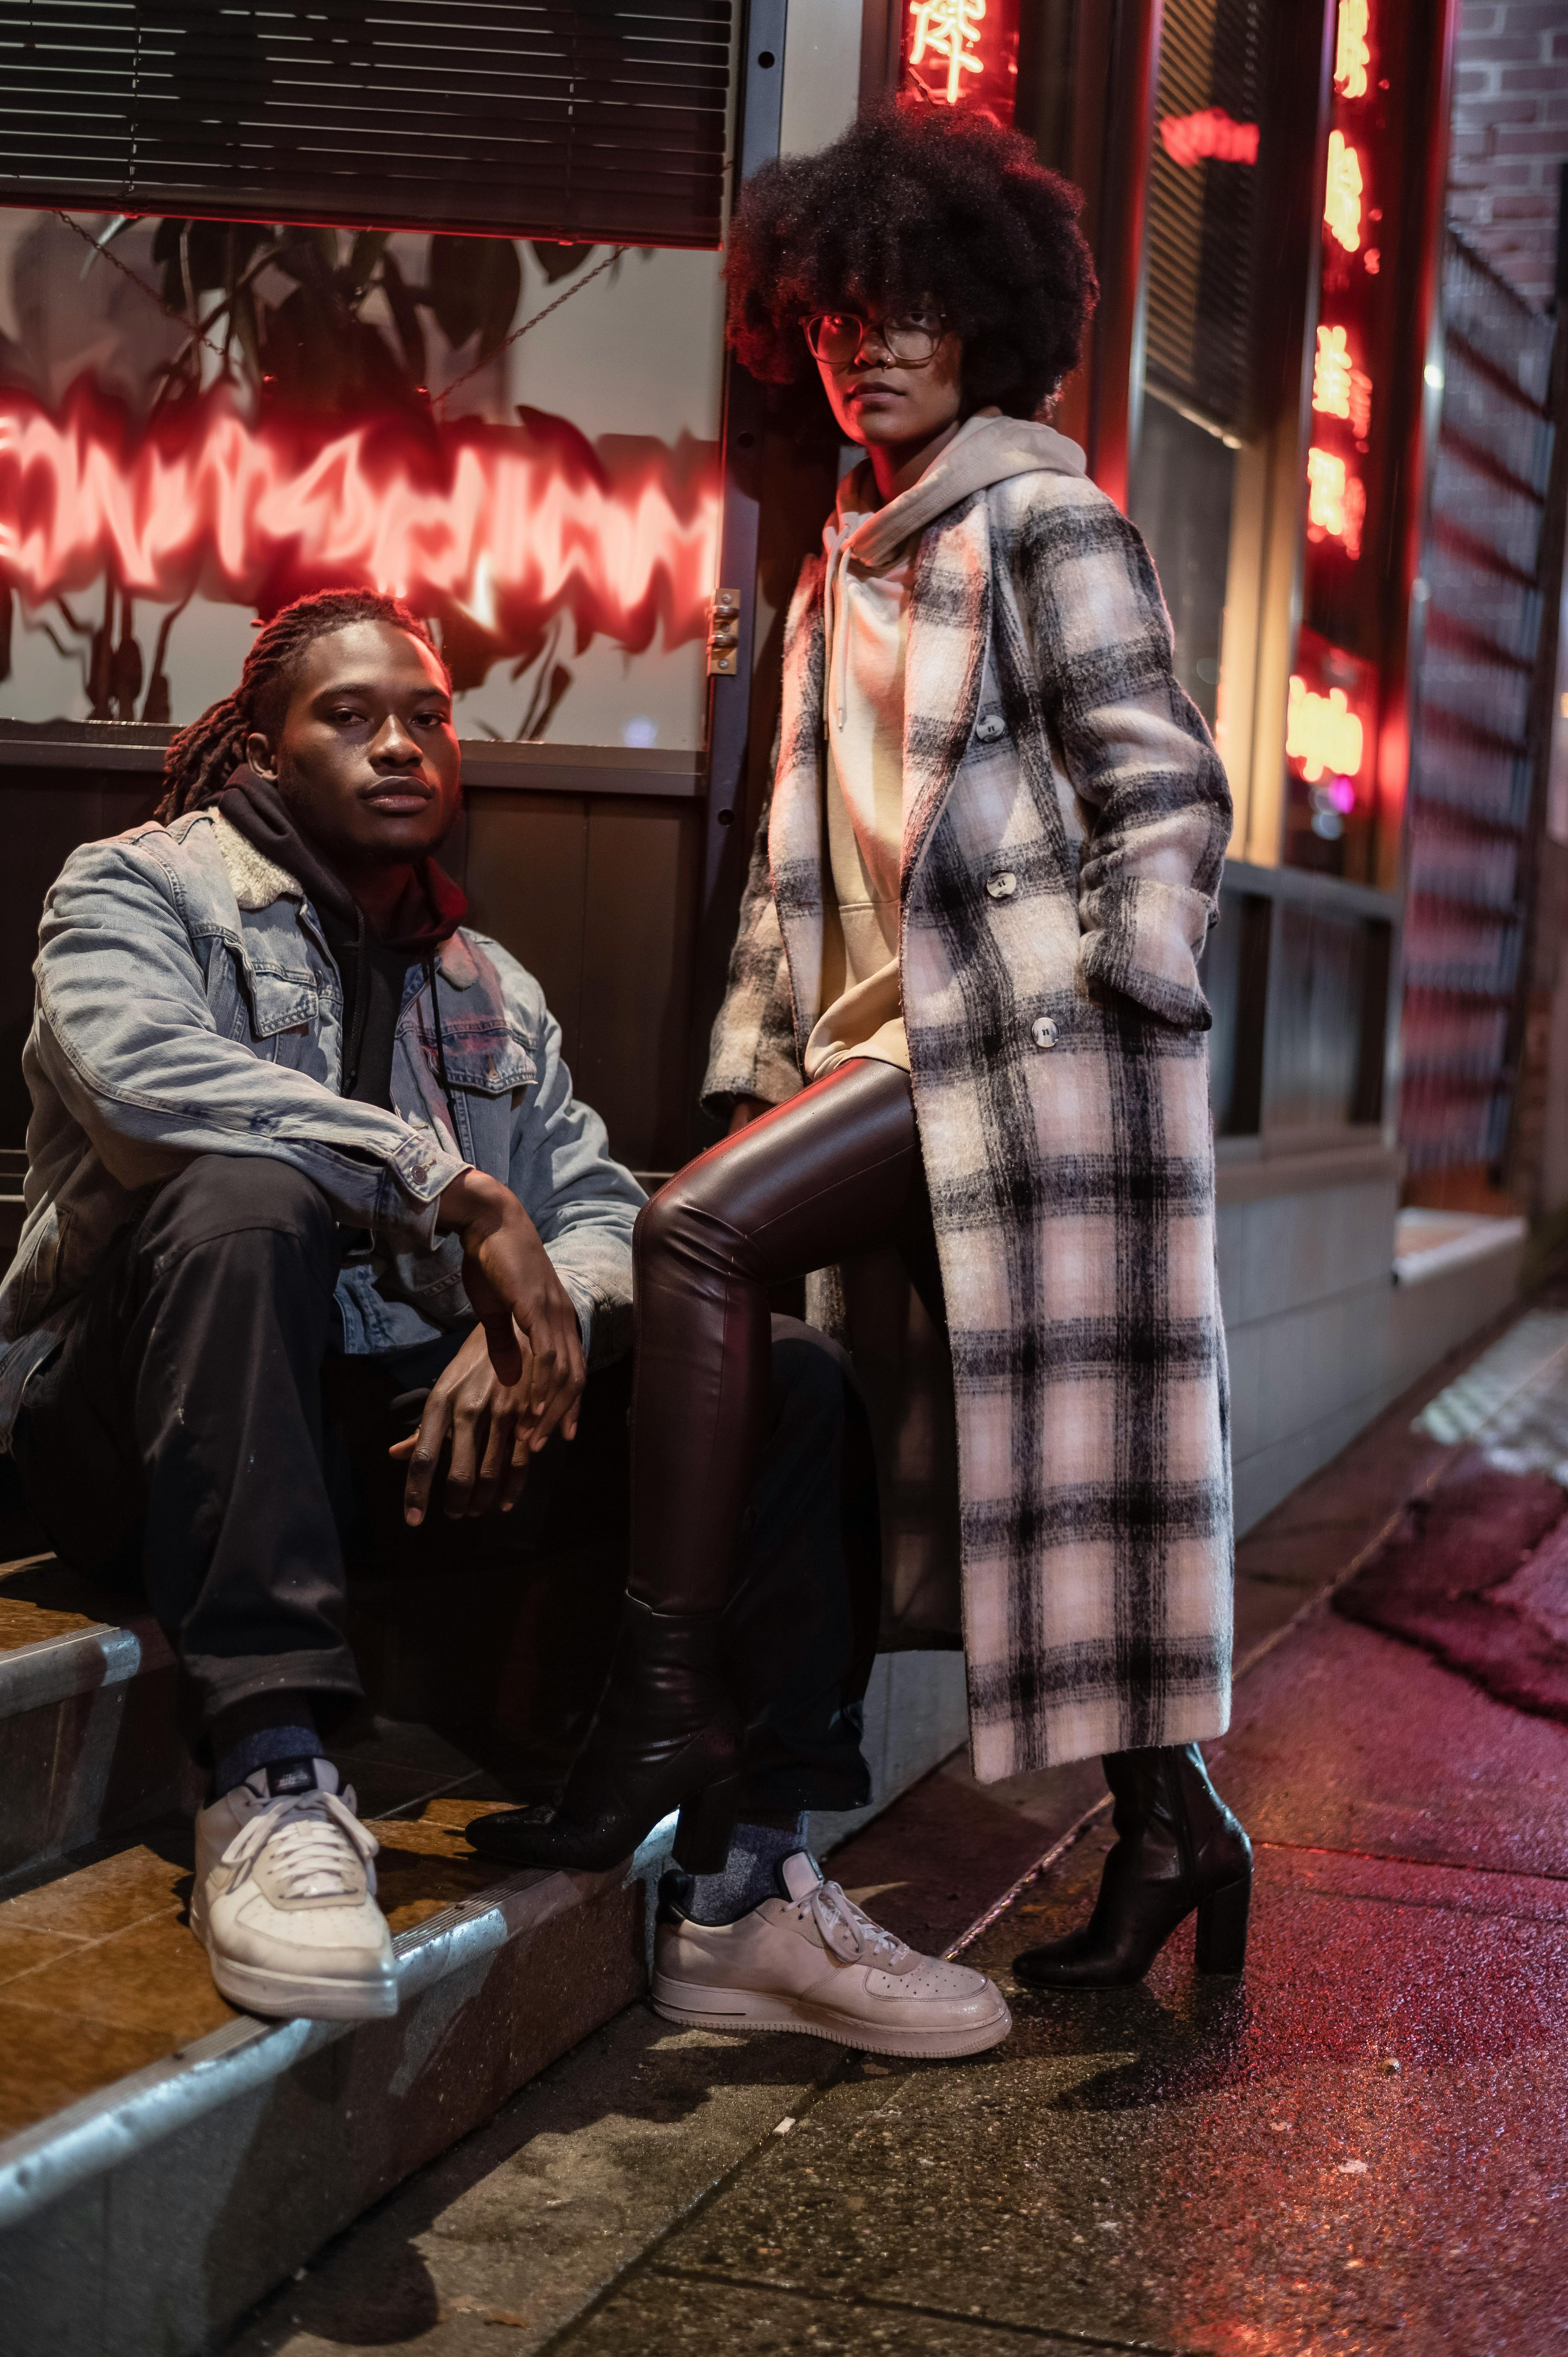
(1511, 134)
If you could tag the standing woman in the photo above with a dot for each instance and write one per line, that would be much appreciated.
(964, 1009)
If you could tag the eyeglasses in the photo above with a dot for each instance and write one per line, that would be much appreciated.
(839, 338)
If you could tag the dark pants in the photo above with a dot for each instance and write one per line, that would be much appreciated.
(834, 1173)
(199, 1437)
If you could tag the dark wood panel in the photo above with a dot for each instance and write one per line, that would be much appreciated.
(640, 917)
(596, 896)
(526, 877)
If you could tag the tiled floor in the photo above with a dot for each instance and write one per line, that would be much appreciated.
(39, 1600)
(99, 1973)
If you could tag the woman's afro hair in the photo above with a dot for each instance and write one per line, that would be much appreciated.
(915, 204)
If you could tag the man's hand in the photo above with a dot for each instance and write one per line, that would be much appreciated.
(492, 1435)
(525, 1311)
(744, 1111)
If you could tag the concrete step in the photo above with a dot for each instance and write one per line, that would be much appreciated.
(166, 2160)
(89, 1737)
(170, 2161)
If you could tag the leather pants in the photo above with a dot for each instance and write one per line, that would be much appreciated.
(834, 1172)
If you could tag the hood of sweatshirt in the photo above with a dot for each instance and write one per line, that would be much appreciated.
(862, 536)
(986, 450)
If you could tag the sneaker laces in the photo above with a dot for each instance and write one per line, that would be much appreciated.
(847, 1929)
(308, 1831)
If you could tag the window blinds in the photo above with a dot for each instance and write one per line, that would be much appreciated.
(1202, 217)
(599, 123)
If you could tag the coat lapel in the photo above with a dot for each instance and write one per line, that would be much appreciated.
(795, 845)
(950, 619)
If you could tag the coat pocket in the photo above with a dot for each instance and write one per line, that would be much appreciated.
(277, 1004)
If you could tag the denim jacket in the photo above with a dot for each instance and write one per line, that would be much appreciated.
(187, 1003)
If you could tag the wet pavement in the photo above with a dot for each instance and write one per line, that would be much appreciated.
(1359, 2145)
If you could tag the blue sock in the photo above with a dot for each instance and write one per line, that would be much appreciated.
(750, 1872)
(265, 1747)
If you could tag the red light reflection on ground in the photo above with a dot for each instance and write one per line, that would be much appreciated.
(504, 525)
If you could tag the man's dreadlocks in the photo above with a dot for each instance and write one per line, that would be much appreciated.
(203, 757)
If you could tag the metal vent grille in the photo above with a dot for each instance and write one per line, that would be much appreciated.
(1202, 216)
(1472, 756)
(599, 123)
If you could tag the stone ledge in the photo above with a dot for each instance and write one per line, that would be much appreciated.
(1262, 1174)
(301, 2126)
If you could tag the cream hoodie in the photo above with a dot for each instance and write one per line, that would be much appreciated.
(871, 553)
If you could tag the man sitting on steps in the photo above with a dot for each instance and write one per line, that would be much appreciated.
(295, 1128)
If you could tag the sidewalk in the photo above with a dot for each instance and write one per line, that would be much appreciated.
(1363, 2140)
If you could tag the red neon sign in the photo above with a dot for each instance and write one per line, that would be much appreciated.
(501, 523)
(1189, 138)
(944, 35)
(1339, 389)
(1336, 500)
(1352, 53)
(1326, 736)
(1343, 192)
(962, 53)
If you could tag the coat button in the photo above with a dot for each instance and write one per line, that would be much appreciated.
(990, 726)
(1043, 1031)
(1002, 885)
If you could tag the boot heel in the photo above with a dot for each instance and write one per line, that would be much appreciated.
(1222, 1928)
(707, 1822)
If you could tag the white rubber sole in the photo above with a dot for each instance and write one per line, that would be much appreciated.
(299, 1996)
(698, 2007)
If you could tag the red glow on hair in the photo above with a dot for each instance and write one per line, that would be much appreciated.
(505, 523)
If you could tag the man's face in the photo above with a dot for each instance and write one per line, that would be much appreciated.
(367, 756)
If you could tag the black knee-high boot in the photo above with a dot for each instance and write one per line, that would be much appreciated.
(666, 1737)
(1177, 1847)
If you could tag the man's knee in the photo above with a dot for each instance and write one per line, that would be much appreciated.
(223, 1195)
(812, 1384)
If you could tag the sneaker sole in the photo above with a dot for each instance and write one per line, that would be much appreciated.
(297, 1996)
(706, 2008)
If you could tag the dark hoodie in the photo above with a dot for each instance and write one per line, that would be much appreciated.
(375, 967)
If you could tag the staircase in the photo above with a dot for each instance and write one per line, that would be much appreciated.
(165, 2161)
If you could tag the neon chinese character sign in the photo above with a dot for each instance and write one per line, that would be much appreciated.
(1342, 195)
(1352, 55)
(1336, 500)
(1339, 389)
(1322, 732)
(948, 31)
(962, 53)
(1345, 762)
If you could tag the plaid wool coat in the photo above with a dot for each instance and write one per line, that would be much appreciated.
(1065, 816)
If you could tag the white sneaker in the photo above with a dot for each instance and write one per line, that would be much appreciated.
(812, 1961)
(285, 1902)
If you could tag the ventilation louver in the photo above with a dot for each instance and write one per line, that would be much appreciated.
(596, 123)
